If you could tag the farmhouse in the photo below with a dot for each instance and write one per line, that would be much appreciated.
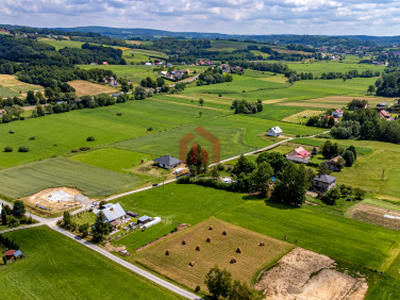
(167, 162)
(274, 131)
(324, 183)
(337, 113)
(334, 164)
(384, 114)
(299, 155)
(114, 213)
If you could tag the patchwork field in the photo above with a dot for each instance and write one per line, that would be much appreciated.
(220, 250)
(28, 179)
(59, 272)
(83, 87)
(10, 86)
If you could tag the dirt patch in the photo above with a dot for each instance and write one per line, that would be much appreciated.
(376, 215)
(83, 87)
(303, 274)
(179, 228)
(39, 199)
(110, 248)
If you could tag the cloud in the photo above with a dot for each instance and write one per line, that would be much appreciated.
(372, 17)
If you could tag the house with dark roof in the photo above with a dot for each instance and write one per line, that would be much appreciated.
(335, 164)
(324, 183)
(167, 162)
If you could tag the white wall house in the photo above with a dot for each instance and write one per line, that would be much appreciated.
(274, 131)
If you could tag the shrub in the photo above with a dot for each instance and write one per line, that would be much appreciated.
(8, 149)
(150, 129)
(90, 139)
(23, 149)
(74, 150)
(11, 132)
(84, 148)
(32, 138)
(119, 114)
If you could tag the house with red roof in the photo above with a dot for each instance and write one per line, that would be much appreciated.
(337, 113)
(299, 155)
(384, 114)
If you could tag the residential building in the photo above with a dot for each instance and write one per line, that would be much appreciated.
(324, 183)
(337, 113)
(335, 164)
(113, 213)
(167, 162)
(274, 131)
(299, 155)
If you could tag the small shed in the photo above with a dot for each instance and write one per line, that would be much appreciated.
(274, 131)
(144, 219)
(9, 254)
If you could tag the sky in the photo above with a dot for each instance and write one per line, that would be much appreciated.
(328, 17)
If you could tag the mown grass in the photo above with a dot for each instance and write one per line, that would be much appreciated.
(64, 269)
(61, 44)
(28, 179)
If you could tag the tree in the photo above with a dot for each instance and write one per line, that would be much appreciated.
(40, 97)
(348, 156)
(353, 149)
(330, 150)
(18, 209)
(13, 222)
(219, 282)
(160, 82)
(314, 151)
(49, 93)
(100, 228)
(323, 169)
(243, 165)
(84, 229)
(67, 220)
(261, 178)
(201, 101)
(275, 159)
(291, 188)
(198, 159)
(31, 98)
(3, 216)
(371, 89)
(241, 291)
(215, 173)
(140, 93)
(331, 196)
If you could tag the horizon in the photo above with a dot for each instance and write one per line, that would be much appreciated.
(241, 17)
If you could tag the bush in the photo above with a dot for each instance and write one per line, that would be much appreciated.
(75, 150)
(8, 149)
(90, 139)
(32, 138)
(84, 148)
(11, 132)
(23, 149)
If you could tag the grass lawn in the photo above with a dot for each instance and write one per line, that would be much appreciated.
(340, 238)
(220, 250)
(61, 44)
(28, 179)
(64, 269)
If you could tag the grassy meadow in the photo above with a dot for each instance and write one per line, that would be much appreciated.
(65, 269)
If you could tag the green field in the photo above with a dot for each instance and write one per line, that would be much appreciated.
(61, 44)
(57, 267)
(6, 92)
(28, 179)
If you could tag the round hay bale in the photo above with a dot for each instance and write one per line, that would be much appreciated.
(184, 242)
(167, 252)
(210, 228)
(198, 248)
(224, 232)
(233, 260)
(208, 240)
(261, 244)
(239, 250)
(192, 263)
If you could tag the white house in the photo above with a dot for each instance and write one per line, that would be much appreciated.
(274, 131)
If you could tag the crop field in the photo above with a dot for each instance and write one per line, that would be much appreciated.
(117, 160)
(83, 87)
(237, 134)
(337, 237)
(28, 179)
(220, 250)
(228, 46)
(59, 272)
(141, 55)
(104, 124)
(10, 86)
(61, 44)
(303, 116)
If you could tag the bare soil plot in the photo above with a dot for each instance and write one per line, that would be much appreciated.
(376, 215)
(303, 274)
(83, 87)
(273, 101)
(302, 116)
(41, 199)
(220, 250)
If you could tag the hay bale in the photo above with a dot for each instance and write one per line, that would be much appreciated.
(198, 248)
(261, 244)
(224, 232)
(239, 250)
(167, 252)
(233, 260)
(210, 228)
(184, 242)
(192, 263)
(208, 240)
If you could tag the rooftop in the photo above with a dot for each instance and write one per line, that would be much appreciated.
(325, 178)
